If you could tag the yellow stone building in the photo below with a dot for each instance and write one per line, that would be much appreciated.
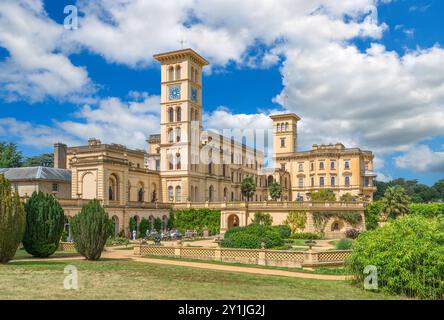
(185, 166)
(344, 170)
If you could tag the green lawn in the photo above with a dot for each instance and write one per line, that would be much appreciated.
(22, 254)
(120, 279)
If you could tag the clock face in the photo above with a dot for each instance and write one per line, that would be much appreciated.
(174, 92)
(194, 94)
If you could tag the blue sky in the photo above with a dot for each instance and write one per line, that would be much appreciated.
(369, 74)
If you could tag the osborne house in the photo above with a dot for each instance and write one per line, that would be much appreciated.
(187, 167)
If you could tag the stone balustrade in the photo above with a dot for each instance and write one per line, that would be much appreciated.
(280, 258)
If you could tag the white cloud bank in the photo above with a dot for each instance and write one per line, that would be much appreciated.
(374, 99)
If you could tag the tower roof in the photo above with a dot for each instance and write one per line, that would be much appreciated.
(180, 54)
(285, 116)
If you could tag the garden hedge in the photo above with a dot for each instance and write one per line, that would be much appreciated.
(252, 236)
(197, 219)
(409, 256)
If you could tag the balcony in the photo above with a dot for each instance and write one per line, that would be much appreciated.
(369, 173)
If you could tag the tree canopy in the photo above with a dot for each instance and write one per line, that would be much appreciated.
(248, 187)
(10, 156)
(418, 192)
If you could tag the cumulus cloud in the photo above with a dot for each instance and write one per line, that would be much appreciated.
(422, 159)
(35, 68)
(112, 120)
(372, 98)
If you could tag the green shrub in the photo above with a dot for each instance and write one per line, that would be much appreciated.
(373, 214)
(296, 220)
(262, 218)
(284, 231)
(252, 236)
(344, 244)
(157, 225)
(132, 224)
(90, 230)
(197, 219)
(352, 233)
(427, 210)
(145, 225)
(408, 254)
(306, 236)
(45, 220)
(12, 221)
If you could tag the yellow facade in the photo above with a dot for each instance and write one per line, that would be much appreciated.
(344, 170)
(184, 163)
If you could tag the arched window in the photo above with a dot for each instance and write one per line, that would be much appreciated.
(170, 162)
(170, 194)
(210, 167)
(170, 115)
(332, 181)
(321, 165)
(211, 194)
(225, 194)
(171, 74)
(179, 114)
(321, 181)
(278, 127)
(112, 189)
(282, 127)
(178, 194)
(170, 135)
(347, 181)
(140, 195)
(178, 164)
(286, 126)
(178, 76)
(178, 134)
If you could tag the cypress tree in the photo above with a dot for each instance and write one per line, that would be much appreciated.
(12, 221)
(45, 220)
(90, 230)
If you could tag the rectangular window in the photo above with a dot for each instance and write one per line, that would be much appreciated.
(55, 187)
(283, 166)
(321, 165)
(312, 182)
(332, 165)
(321, 181)
(312, 166)
(282, 142)
(347, 165)
(301, 167)
(301, 182)
(347, 181)
(157, 165)
(332, 181)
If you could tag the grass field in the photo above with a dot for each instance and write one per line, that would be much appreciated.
(22, 254)
(120, 279)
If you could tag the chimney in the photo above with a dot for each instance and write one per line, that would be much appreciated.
(60, 155)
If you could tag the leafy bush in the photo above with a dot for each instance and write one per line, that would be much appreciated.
(12, 221)
(119, 241)
(45, 220)
(197, 219)
(262, 218)
(145, 225)
(427, 210)
(252, 236)
(132, 224)
(90, 230)
(306, 236)
(157, 224)
(373, 215)
(284, 231)
(296, 220)
(323, 195)
(408, 254)
(352, 233)
(344, 244)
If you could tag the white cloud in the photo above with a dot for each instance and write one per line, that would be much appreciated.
(422, 159)
(35, 67)
(112, 120)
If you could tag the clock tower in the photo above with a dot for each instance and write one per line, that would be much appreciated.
(181, 111)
